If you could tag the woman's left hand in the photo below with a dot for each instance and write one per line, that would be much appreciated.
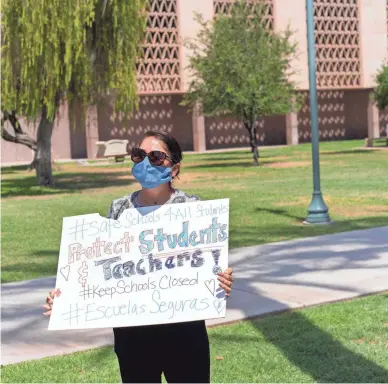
(226, 280)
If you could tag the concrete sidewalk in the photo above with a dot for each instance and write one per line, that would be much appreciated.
(268, 278)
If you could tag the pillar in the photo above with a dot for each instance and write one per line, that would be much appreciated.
(61, 138)
(373, 39)
(293, 14)
(373, 121)
(292, 128)
(91, 131)
(199, 134)
(189, 29)
(373, 44)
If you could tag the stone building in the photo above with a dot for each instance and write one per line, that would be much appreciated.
(351, 45)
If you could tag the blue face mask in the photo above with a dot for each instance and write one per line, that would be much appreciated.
(151, 176)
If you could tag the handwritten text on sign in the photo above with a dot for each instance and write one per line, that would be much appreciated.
(154, 265)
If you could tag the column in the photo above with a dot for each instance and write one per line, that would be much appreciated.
(199, 135)
(292, 128)
(373, 39)
(293, 14)
(61, 138)
(189, 28)
(373, 121)
(91, 131)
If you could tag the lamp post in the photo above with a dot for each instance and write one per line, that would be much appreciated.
(318, 210)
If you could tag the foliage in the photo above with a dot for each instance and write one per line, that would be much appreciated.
(80, 49)
(241, 68)
(381, 91)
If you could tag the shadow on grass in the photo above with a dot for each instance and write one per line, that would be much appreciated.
(229, 165)
(14, 169)
(308, 347)
(347, 152)
(242, 236)
(280, 212)
(317, 353)
(45, 265)
(313, 350)
(304, 344)
(66, 182)
(219, 165)
(224, 156)
(244, 157)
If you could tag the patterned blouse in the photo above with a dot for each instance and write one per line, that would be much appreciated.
(132, 201)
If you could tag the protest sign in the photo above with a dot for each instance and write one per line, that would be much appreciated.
(154, 265)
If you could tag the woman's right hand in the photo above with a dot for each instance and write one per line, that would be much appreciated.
(50, 301)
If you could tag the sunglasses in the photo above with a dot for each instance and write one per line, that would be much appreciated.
(155, 157)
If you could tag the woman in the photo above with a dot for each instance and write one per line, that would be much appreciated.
(179, 350)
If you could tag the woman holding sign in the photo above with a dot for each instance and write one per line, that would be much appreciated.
(179, 350)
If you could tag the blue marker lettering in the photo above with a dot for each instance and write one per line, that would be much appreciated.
(147, 245)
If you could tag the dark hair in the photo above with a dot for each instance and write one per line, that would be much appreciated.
(171, 143)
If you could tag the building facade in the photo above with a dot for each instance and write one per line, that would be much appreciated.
(351, 38)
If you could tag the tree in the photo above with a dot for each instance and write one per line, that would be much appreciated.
(381, 90)
(242, 69)
(57, 50)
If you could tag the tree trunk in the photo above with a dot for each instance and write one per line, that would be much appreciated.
(19, 137)
(42, 160)
(253, 142)
(251, 128)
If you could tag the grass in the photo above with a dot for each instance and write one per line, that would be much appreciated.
(268, 203)
(340, 342)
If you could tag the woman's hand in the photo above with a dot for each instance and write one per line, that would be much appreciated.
(50, 301)
(226, 281)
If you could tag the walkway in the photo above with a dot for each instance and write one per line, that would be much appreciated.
(268, 278)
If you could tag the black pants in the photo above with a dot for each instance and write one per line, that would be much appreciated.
(180, 351)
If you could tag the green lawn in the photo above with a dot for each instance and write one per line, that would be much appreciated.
(341, 342)
(268, 203)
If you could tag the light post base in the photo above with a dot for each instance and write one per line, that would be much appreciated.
(318, 212)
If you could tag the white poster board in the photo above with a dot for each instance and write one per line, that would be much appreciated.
(154, 265)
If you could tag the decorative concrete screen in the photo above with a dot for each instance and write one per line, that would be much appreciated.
(331, 117)
(342, 115)
(158, 71)
(222, 7)
(337, 43)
